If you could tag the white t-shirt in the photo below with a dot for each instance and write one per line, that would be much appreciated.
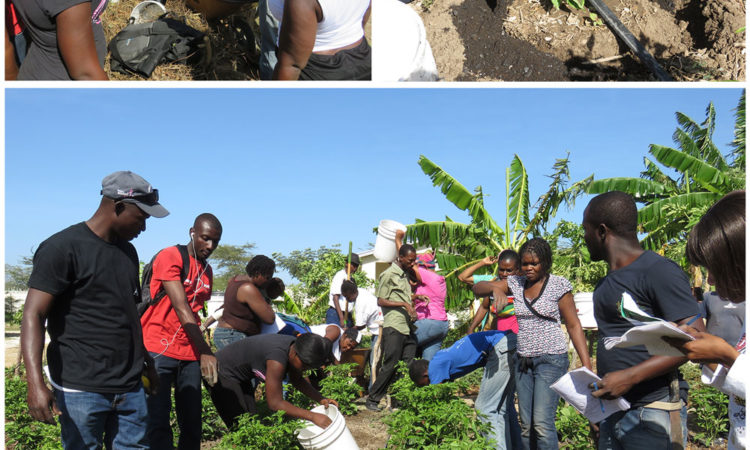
(367, 311)
(336, 289)
(320, 330)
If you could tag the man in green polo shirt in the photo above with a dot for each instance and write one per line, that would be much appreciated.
(397, 341)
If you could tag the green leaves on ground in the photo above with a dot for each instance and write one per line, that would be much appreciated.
(573, 428)
(270, 432)
(433, 417)
(21, 431)
(340, 386)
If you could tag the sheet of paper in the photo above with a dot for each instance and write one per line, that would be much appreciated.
(650, 335)
(574, 388)
(274, 327)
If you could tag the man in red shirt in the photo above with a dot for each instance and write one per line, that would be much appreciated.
(171, 334)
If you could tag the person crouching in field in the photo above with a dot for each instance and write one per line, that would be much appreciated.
(269, 358)
(488, 349)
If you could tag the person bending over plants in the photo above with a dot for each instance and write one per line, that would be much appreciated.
(269, 358)
(717, 242)
(488, 349)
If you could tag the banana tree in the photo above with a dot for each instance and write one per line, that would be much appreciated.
(672, 206)
(459, 245)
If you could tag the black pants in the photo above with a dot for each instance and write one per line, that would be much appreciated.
(351, 64)
(232, 398)
(395, 347)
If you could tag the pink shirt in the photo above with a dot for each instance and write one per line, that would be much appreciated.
(433, 286)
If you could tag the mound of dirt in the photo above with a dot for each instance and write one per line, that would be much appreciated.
(530, 40)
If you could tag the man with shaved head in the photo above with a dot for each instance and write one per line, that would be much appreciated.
(171, 333)
(657, 418)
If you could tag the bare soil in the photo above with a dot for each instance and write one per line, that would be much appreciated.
(530, 40)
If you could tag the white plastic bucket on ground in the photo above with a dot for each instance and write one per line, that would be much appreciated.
(385, 243)
(585, 307)
(335, 437)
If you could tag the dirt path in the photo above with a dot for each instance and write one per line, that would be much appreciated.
(529, 40)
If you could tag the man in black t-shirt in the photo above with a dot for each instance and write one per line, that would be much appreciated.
(652, 385)
(85, 285)
(269, 358)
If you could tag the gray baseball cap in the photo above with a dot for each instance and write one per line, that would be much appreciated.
(126, 186)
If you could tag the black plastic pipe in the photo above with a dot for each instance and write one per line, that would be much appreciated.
(622, 32)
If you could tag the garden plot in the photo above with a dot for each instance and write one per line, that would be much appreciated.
(529, 40)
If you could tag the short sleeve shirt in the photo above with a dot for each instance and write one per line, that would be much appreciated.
(43, 60)
(433, 286)
(96, 343)
(661, 289)
(393, 285)
(162, 332)
(320, 330)
(246, 359)
(367, 312)
(507, 320)
(336, 282)
(537, 336)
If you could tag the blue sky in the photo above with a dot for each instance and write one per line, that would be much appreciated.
(289, 169)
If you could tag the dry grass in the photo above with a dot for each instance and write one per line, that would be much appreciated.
(230, 54)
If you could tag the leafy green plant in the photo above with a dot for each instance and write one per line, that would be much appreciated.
(255, 431)
(576, 4)
(571, 257)
(21, 431)
(595, 20)
(340, 386)
(572, 427)
(711, 409)
(434, 417)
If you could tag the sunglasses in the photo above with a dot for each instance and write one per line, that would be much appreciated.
(150, 199)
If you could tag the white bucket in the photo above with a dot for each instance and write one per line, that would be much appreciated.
(335, 437)
(585, 308)
(385, 243)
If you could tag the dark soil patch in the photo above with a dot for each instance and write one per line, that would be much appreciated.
(530, 40)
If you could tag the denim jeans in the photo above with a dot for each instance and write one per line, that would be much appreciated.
(333, 317)
(430, 334)
(225, 336)
(90, 419)
(185, 376)
(496, 395)
(537, 403)
(639, 428)
(269, 29)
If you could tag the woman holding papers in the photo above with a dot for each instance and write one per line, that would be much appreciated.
(717, 242)
(542, 300)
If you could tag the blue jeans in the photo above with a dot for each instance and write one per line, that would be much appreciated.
(333, 317)
(185, 376)
(639, 428)
(269, 29)
(90, 419)
(225, 336)
(430, 334)
(496, 395)
(537, 403)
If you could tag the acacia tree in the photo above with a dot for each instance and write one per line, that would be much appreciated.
(701, 175)
(228, 261)
(458, 245)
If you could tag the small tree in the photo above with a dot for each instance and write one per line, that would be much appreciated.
(228, 261)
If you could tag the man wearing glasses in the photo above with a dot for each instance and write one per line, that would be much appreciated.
(85, 285)
(172, 336)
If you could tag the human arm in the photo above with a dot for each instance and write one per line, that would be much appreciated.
(485, 288)
(251, 296)
(706, 348)
(337, 306)
(41, 401)
(568, 312)
(176, 293)
(75, 38)
(213, 318)
(467, 276)
(384, 302)
(299, 26)
(274, 374)
(617, 383)
(482, 311)
(11, 68)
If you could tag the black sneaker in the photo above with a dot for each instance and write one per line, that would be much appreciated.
(372, 405)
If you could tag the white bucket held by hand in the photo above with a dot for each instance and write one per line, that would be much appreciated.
(335, 437)
(385, 243)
